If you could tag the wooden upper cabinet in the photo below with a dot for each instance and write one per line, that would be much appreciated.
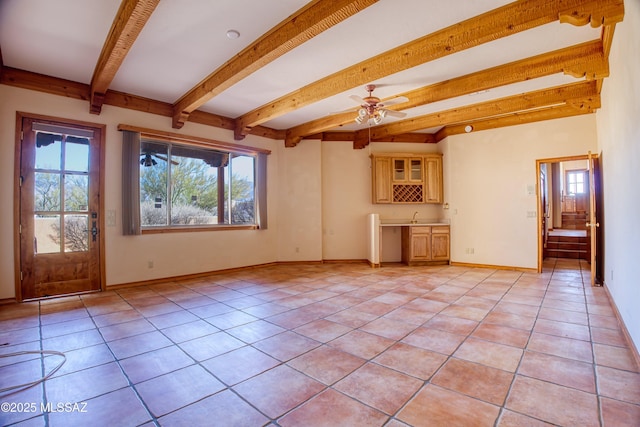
(407, 178)
(381, 179)
(433, 178)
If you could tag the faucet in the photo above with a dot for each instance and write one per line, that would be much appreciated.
(414, 220)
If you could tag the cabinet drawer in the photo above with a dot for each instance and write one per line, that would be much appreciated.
(440, 229)
(420, 229)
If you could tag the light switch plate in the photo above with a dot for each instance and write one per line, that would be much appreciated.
(111, 218)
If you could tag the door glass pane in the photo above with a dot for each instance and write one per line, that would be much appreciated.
(48, 151)
(47, 191)
(76, 192)
(242, 194)
(76, 233)
(76, 155)
(46, 234)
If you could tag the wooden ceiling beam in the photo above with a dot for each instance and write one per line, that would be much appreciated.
(501, 22)
(308, 22)
(583, 60)
(127, 25)
(519, 118)
(527, 101)
(42, 83)
(341, 136)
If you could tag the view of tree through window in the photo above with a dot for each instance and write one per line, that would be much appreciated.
(184, 185)
(61, 196)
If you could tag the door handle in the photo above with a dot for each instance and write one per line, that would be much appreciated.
(597, 224)
(94, 230)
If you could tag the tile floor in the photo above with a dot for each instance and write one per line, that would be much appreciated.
(327, 345)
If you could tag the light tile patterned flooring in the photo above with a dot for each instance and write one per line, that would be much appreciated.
(329, 345)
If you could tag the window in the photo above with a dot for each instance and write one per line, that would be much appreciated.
(576, 182)
(174, 182)
(183, 185)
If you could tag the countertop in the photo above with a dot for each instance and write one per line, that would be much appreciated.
(408, 223)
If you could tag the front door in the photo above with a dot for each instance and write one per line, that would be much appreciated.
(60, 209)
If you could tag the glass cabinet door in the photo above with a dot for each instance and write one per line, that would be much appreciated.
(399, 170)
(416, 169)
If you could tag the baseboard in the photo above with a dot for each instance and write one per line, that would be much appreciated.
(8, 301)
(373, 264)
(625, 331)
(495, 267)
(345, 261)
(298, 262)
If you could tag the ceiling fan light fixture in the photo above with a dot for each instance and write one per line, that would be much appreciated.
(382, 113)
(359, 120)
(148, 161)
(377, 119)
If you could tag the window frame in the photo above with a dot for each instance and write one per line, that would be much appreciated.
(199, 142)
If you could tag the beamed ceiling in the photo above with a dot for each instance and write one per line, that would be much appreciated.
(289, 74)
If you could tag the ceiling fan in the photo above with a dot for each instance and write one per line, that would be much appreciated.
(372, 110)
(147, 159)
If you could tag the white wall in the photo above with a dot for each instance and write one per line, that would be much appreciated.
(127, 257)
(490, 181)
(299, 202)
(619, 142)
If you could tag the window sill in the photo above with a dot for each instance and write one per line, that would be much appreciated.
(191, 229)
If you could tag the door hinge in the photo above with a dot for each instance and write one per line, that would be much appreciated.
(21, 179)
(21, 276)
(21, 135)
(19, 228)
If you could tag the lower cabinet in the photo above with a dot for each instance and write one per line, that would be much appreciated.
(422, 244)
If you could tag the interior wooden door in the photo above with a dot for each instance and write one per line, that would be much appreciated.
(59, 198)
(544, 205)
(593, 224)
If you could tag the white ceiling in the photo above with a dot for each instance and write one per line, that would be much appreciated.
(185, 40)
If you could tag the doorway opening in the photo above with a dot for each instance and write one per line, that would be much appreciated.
(570, 211)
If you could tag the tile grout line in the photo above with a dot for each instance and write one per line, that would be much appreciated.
(524, 350)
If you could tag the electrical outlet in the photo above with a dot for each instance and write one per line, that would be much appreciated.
(149, 264)
(531, 214)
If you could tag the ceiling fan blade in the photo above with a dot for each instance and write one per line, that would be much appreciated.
(358, 99)
(393, 113)
(161, 157)
(393, 101)
(348, 110)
